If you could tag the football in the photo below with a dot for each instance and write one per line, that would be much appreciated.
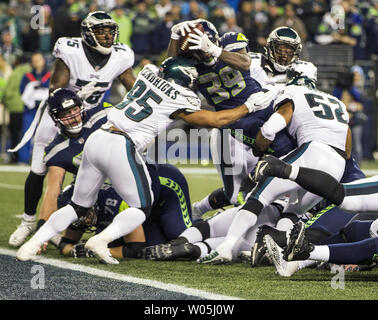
(184, 44)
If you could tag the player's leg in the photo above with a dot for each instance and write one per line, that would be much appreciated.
(123, 163)
(360, 252)
(88, 182)
(199, 232)
(33, 188)
(233, 161)
(174, 209)
(269, 188)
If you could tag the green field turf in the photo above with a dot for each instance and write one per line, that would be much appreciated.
(237, 279)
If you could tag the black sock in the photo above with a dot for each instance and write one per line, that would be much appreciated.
(32, 192)
(218, 199)
(40, 223)
(322, 184)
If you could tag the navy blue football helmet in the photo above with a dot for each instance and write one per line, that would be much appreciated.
(212, 34)
(210, 31)
(179, 70)
(59, 103)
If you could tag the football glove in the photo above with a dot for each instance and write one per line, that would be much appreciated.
(87, 90)
(203, 43)
(79, 251)
(179, 29)
(260, 100)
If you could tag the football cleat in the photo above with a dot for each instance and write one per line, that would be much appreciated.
(259, 249)
(298, 247)
(270, 166)
(274, 251)
(169, 251)
(28, 250)
(18, 237)
(214, 258)
(100, 249)
(79, 251)
(245, 257)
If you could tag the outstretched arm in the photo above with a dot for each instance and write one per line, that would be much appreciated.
(211, 119)
(55, 178)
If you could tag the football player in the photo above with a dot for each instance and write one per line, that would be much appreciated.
(228, 75)
(87, 65)
(282, 50)
(158, 97)
(170, 215)
(64, 153)
(319, 122)
(204, 236)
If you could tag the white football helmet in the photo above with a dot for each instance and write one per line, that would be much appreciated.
(96, 20)
(283, 47)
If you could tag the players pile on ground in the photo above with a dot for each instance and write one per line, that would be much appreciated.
(295, 140)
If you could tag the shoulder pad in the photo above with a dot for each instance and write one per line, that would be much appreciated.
(233, 41)
(66, 46)
(125, 54)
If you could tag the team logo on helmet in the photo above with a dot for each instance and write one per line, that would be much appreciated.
(179, 70)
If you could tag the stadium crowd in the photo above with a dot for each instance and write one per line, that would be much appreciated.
(145, 27)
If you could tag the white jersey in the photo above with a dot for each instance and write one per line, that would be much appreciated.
(318, 116)
(71, 51)
(147, 109)
(263, 73)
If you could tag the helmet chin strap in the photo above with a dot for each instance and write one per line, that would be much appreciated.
(101, 49)
(279, 67)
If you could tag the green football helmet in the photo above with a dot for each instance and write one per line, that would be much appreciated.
(179, 70)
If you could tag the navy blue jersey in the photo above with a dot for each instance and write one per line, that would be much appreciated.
(171, 211)
(221, 85)
(66, 152)
(226, 88)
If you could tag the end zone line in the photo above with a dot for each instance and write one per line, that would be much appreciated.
(116, 276)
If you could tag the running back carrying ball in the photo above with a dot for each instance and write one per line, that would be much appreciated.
(184, 44)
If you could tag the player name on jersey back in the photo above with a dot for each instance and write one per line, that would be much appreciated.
(147, 109)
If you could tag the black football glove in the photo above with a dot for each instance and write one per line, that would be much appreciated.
(79, 251)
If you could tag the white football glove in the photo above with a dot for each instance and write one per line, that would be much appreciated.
(260, 100)
(179, 29)
(87, 90)
(202, 42)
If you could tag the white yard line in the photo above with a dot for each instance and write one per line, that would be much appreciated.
(189, 171)
(11, 186)
(125, 278)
